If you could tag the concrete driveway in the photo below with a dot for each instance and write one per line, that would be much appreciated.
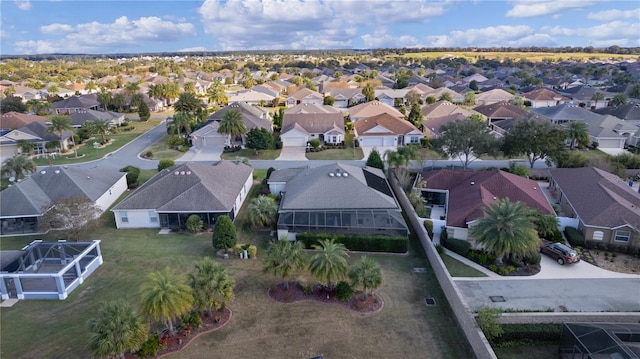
(207, 153)
(290, 153)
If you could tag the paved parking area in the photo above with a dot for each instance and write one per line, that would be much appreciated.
(290, 153)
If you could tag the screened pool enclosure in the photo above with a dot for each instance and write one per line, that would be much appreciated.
(361, 221)
(600, 340)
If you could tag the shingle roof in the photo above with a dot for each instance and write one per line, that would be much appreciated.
(39, 130)
(314, 189)
(252, 115)
(470, 191)
(443, 108)
(565, 112)
(502, 110)
(191, 187)
(16, 120)
(313, 123)
(85, 101)
(396, 126)
(494, 95)
(29, 196)
(628, 112)
(311, 108)
(598, 197)
(543, 94)
(373, 108)
(302, 93)
(79, 118)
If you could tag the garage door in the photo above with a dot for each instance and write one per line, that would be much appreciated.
(214, 141)
(610, 143)
(372, 141)
(294, 141)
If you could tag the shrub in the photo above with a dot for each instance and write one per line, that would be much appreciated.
(259, 139)
(315, 143)
(165, 163)
(443, 236)
(440, 249)
(148, 154)
(507, 270)
(194, 223)
(487, 319)
(193, 320)
(132, 175)
(458, 246)
(428, 225)
(575, 238)
(374, 160)
(269, 171)
(308, 289)
(537, 333)
(150, 347)
(344, 290)
(252, 251)
(224, 233)
(533, 258)
(356, 242)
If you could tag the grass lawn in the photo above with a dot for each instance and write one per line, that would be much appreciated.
(349, 153)
(86, 152)
(260, 327)
(161, 149)
(593, 154)
(459, 269)
(252, 155)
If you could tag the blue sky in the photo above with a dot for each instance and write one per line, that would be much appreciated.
(118, 26)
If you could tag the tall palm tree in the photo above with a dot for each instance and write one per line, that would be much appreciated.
(216, 93)
(211, 284)
(366, 274)
(597, 96)
(115, 330)
(171, 90)
(187, 103)
(165, 297)
(232, 125)
(578, 133)
(105, 98)
(181, 120)
(132, 88)
(331, 263)
(283, 258)
(60, 124)
(18, 165)
(262, 211)
(506, 230)
(119, 100)
(100, 127)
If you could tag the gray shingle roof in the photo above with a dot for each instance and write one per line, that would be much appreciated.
(314, 188)
(195, 187)
(30, 196)
(565, 112)
(599, 198)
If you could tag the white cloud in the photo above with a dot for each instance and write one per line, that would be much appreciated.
(381, 39)
(23, 4)
(531, 8)
(612, 30)
(56, 28)
(193, 49)
(416, 11)
(35, 47)
(614, 14)
(520, 35)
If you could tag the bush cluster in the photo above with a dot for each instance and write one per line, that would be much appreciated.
(575, 238)
(356, 242)
(458, 246)
(344, 290)
(428, 225)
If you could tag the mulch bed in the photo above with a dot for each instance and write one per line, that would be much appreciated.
(319, 293)
(180, 340)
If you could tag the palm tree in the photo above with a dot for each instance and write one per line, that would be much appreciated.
(60, 124)
(171, 90)
(43, 108)
(18, 165)
(105, 98)
(331, 263)
(155, 91)
(181, 120)
(283, 258)
(119, 100)
(546, 225)
(597, 96)
(366, 274)
(115, 330)
(100, 127)
(578, 133)
(506, 230)
(211, 285)
(369, 92)
(216, 93)
(132, 88)
(232, 125)
(165, 297)
(187, 103)
(91, 86)
(262, 211)
(190, 87)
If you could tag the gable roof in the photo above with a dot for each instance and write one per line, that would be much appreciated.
(191, 187)
(16, 120)
(543, 94)
(599, 197)
(30, 196)
(39, 130)
(82, 116)
(313, 123)
(373, 108)
(443, 108)
(627, 112)
(309, 108)
(470, 191)
(314, 189)
(494, 95)
(305, 92)
(566, 112)
(394, 125)
(502, 110)
(83, 101)
(253, 116)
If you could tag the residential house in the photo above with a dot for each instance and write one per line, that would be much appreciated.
(171, 196)
(12, 120)
(336, 198)
(77, 103)
(437, 94)
(303, 96)
(251, 98)
(543, 97)
(443, 108)
(36, 132)
(392, 97)
(385, 130)
(24, 203)
(463, 195)
(584, 96)
(629, 112)
(431, 126)
(502, 115)
(493, 96)
(345, 97)
(607, 209)
(475, 77)
(78, 119)
(305, 122)
(207, 135)
(370, 109)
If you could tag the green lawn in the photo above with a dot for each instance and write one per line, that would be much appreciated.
(592, 154)
(459, 269)
(406, 328)
(86, 152)
(161, 149)
(349, 153)
(252, 154)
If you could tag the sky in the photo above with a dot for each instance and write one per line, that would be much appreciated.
(142, 26)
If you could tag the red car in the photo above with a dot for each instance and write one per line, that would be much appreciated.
(562, 253)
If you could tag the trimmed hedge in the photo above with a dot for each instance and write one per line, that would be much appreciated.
(575, 238)
(458, 246)
(356, 242)
(534, 333)
(428, 225)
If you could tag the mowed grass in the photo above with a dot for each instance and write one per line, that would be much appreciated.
(459, 269)
(161, 150)
(252, 154)
(350, 152)
(86, 152)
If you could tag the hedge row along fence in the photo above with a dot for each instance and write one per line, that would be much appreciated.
(361, 243)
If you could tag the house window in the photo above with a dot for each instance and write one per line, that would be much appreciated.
(153, 217)
(124, 218)
(414, 139)
(623, 236)
(334, 139)
(598, 235)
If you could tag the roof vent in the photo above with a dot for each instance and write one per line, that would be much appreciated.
(535, 188)
(472, 183)
(88, 177)
(56, 171)
(345, 174)
(43, 172)
(188, 173)
(494, 197)
(176, 173)
(331, 174)
(182, 173)
(338, 174)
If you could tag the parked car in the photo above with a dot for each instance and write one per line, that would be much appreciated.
(562, 253)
